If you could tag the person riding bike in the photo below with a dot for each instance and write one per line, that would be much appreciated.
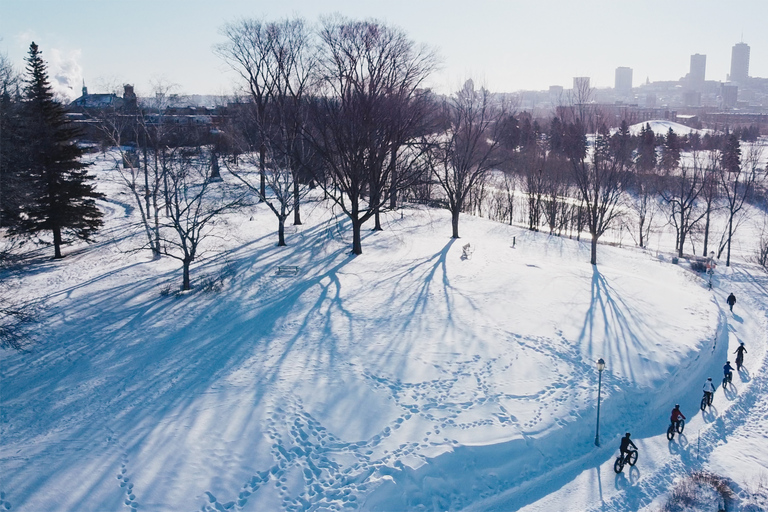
(728, 371)
(626, 442)
(740, 355)
(709, 389)
(676, 416)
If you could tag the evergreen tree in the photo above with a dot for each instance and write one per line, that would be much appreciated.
(646, 150)
(670, 157)
(59, 194)
(731, 156)
(557, 137)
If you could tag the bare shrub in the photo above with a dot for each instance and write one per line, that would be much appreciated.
(756, 499)
(701, 491)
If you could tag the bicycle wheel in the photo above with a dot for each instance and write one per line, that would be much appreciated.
(704, 403)
(671, 432)
(632, 457)
(618, 465)
(725, 383)
(680, 426)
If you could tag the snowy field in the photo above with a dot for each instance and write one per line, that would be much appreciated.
(407, 378)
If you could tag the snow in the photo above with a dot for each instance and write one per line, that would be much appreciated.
(407, 378)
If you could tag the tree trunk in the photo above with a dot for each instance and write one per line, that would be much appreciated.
(57, 243)
(730, 234)
(593, 257)
(262, 170)
(281, 232)
(185, 280)
(296, 201)
(455, 221)
(357, 246)
(393, 180)
(706, 233)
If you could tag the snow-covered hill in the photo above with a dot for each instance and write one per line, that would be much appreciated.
(407, 378)
(662, 127)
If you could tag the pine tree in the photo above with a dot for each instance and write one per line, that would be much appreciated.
(59, 194)
(670, 157)
(731, 156)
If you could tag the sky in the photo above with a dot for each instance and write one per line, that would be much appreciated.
(504, 45)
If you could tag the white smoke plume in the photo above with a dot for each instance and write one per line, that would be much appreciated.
(65, 73)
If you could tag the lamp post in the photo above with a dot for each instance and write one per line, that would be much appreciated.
(600, 368)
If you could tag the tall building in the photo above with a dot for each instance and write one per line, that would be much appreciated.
(623, 82)
(698, 71)
(739, 62)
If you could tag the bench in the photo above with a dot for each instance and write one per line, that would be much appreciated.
(287, 270)
(466, 251)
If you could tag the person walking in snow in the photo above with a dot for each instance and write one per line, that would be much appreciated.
(740, 355)
(676, 416)
(709, 390)
(731, 300)
(626, 442)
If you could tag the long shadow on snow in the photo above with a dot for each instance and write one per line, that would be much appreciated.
(510, 475)
(182, 355)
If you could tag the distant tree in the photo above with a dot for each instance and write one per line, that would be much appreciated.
(710, 192)
(598, 180)
(737, 179)
(680, 191)
(11, 141)
(670, 156)
(462, 157)
(60, 196)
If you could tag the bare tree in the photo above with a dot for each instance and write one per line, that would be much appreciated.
(193, 202)
(597, 176)
(737, 178)
(462, 157)
(369, 73)
(681, 189)
(710, 193)
(278, 61)
(142, 140)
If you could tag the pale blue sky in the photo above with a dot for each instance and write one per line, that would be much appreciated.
(508, 45)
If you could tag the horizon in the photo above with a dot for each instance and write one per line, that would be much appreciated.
(495, 44)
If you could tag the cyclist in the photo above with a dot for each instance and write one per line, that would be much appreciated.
(740, 355)
(626, 442)
(728, 371)
(709, 389)
(676, 416)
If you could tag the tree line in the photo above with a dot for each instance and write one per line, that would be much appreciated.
(345, 106)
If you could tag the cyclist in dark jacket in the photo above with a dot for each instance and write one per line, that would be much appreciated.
(728, 370)
(626, 442)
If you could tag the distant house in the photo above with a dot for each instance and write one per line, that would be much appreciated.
(109, 101)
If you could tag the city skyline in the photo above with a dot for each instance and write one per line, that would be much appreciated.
(505, 46)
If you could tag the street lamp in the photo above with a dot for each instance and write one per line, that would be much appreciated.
(600, 368)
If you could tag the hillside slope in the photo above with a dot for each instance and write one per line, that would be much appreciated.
(407, 378)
